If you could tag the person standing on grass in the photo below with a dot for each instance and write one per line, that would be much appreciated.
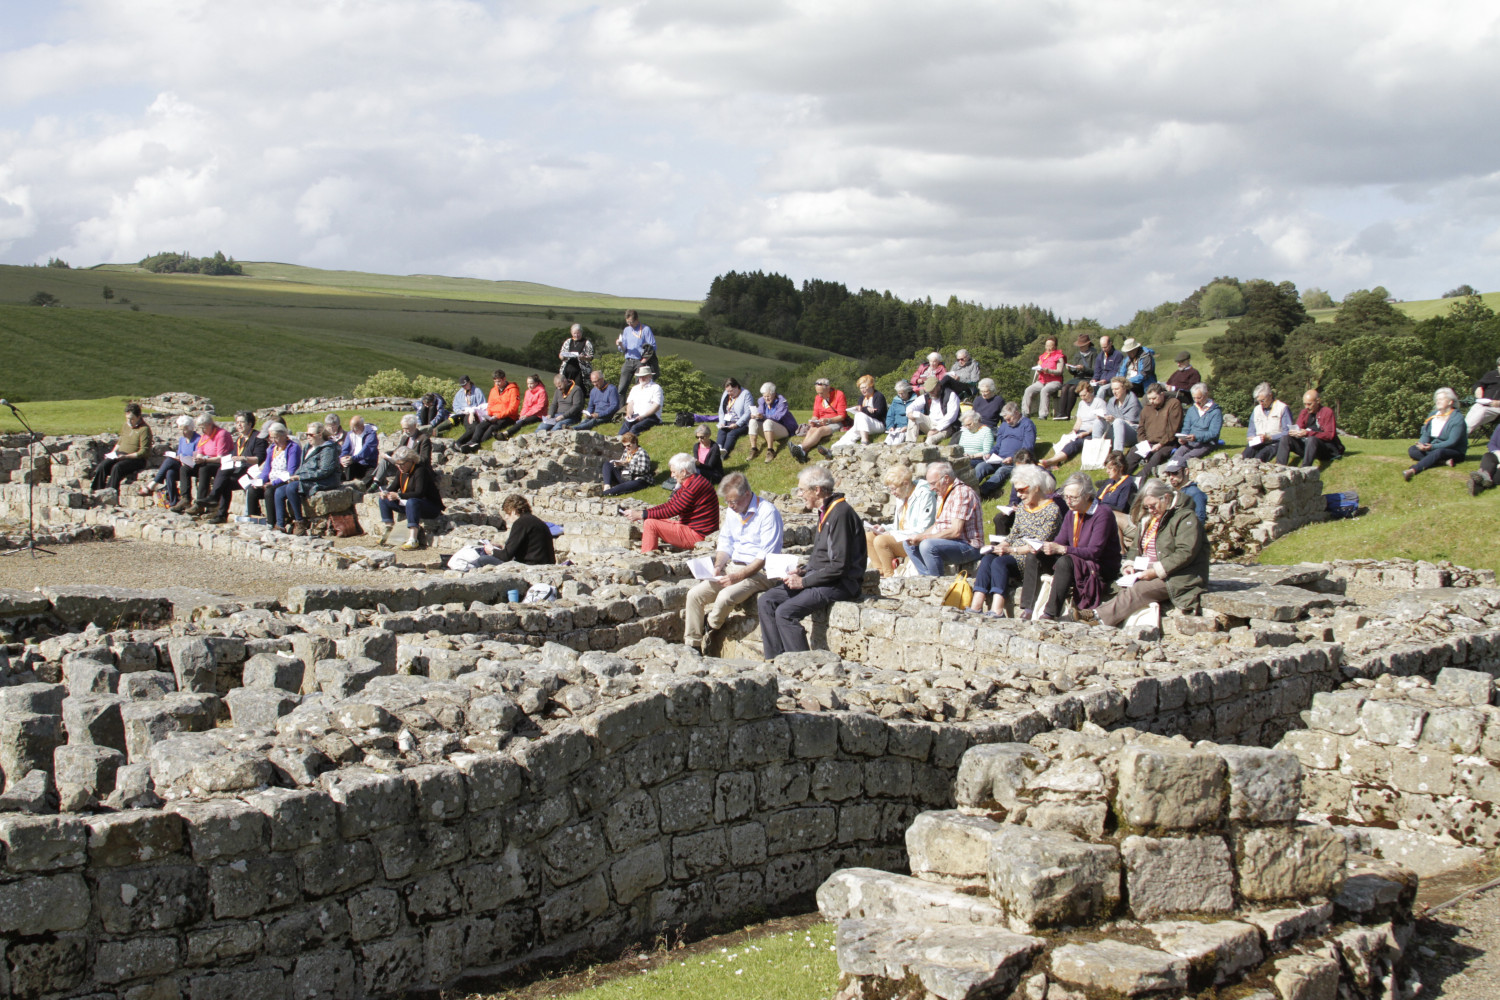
(1445, 437)
(690, 516)
(636, 342)
(129, 454)
(643, 405)
(576, 355)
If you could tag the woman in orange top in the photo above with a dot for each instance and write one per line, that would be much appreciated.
(830, 417)
(533, 407)
(1049, 379)
(502, 411)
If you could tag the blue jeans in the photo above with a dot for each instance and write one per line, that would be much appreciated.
(1437, 456)
(930, 554)
(994, 574)
(285, 495)
(592, 422)
(998, 475)
(728, 436)
(416, 509)
(549, 424)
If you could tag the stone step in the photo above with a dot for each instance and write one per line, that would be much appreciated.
(951, 962)
(864, 893)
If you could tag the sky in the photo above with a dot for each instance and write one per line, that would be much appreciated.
(1093, 157)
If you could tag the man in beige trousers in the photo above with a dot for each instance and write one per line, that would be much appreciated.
(749, 531)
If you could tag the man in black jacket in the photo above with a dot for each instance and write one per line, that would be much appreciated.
(834, 572)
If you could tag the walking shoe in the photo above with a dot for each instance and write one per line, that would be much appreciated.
(1476, 484)
(179, 507)
(414, 542)
(823, 450)
(385, 533)
(798, 453)
(197, 509)
(1406, 474)
(755, 450)
(771, 455)
(216, 519)
(299, 527)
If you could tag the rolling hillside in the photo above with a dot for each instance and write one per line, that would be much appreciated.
(283, 332)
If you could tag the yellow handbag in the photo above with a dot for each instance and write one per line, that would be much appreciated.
(960, 593)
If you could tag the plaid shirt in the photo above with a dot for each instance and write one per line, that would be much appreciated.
(961, 506)
(639, 466)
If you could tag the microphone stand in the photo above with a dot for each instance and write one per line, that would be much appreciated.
(31, 546)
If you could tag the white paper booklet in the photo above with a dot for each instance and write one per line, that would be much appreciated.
(702, 568)
(778, 565)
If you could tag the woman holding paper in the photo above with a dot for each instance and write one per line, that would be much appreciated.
(1168, 560)
(1049, 379)
(916, 510)
(1122, 412)
(283, 455)
(175, 472)
(1089, 425)
(1035, 522)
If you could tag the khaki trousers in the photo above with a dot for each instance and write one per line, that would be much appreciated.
(1114, 611)
(712, 601)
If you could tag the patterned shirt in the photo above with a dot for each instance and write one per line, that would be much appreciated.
(961, 506)
(1041, 523)
(639, 466)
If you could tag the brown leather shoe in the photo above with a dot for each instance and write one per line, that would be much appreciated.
(299, 527)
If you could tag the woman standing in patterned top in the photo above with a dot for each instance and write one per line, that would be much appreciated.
(1037, 519)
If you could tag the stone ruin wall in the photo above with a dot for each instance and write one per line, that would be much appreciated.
(368, 830)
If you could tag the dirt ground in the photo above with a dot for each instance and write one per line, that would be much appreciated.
(1456, 953)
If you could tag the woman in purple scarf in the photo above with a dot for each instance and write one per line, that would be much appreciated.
(1083, 557)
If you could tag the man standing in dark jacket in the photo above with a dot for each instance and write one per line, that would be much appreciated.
(834, 572)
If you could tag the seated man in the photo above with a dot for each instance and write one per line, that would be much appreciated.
(1176, 475)
(468, 407)
(603, 404)
(1489, 462)
(1202, 422)
(691, 515)
(1486, 400)
(501, 409)
(129, 454)
(1083, 557)
(1140, 365)
(1168, 560)
(1316, 435)
(1088, 425)
(360, 452)
(1108, 363)
(1016, 432)
(413, 437)
(1161, 420)
(958, 532)
(416, 492)
(643, 405)
(750, 530)
(835, 570)
(1180, 383)
(213, 444)
(963, 377)
(934, 413)
(566, 408)
(431, 412)
(1079, 371)
(1266, 437)
(249, 451)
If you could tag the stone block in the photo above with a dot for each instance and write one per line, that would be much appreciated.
(1227, 947)
(88, 674)
(27, 742)
(135, 958)
(376, 644)
(328, 974)
(296, 818)
(156, 898)
(326, 502)
(43, 843)
(344, 678)
(1265, 786)
(1177, 875)
(1336, 711)
(1122, 969)
(636, 872)
(368, 800)
(96, 719)
(258, 707)
(951, 847)
(248, 887)
(237, 984)
(1391, 723)
(864, 893)
(147, 685)
(222, 828)
(1169, 789)
(193, 664)
(1453, 730)
(134, 836)
(45, 967)
(950, 962)
(336, 867)
(1291, 862)
(223, 944)
(1462, 687)
(991, 776)
(43, 904)
(36, 697)
(1307, 977)
(1048, 879)
(274, 670)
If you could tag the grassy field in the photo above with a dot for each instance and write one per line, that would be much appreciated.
(281, 332)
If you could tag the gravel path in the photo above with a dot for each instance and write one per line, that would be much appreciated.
(144, 565)
(1457, 951)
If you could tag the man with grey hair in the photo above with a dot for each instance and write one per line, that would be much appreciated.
(1266, 437)
(413, 437)
(963, 377)
(1014, 433)
(1168, 561)
(834, 571)
(751, 529)
(691, 515)
(958, 532)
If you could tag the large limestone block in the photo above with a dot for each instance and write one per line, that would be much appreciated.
(85, 775)
(1170, 789)
(1290, 862)
(951, 847)
(863, 893)
(1228, 947)
(1391, 723)
(259, 707)
(950, 962)
(1276, 603)
(1465, 687)
(991, 776)
(1307, 977)
(27, 742)
(108, 607)
(326, 502)
(1265, 786)
(1177, 875)
(274, 670)
(1042, 878)
(1125, 969)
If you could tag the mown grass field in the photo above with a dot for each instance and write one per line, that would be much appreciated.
(282, 333)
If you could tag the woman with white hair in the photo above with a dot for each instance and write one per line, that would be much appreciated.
(869, 413)
(895, 413)
(175, 475)
(975, 439)
(916, 509)
(1036, 521)
(931, 368)
(771, 420)
(988, 403)
(1444, 438)
(415, 492)
(283, 456)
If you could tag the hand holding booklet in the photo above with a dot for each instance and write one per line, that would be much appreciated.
(702, 568)
(779, 565)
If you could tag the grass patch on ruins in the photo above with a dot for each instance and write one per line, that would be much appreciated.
(793, 965)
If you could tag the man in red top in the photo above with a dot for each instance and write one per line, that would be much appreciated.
(1316, 435)
(214, 442)
(830, 417)
(693, 504)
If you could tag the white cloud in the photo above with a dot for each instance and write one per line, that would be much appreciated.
(1092, 157)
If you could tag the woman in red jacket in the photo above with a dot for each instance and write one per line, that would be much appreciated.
(830, 417)
(533, 407)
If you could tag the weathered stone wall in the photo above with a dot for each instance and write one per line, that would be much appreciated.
(1251, 504)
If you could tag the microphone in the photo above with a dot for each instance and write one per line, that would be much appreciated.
(6, 402)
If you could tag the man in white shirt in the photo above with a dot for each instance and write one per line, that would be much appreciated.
(1266, 437)
(643, 405)
(749, 530)
(934, 414)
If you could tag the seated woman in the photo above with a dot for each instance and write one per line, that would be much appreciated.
(975, 439)
(528, 541)
(916, 510)
(283, 456)
(1445, 436)
(416, 492)
(129, 454)
(707, 454)
(319, 470)
(771, 419)
(869, 413)
(631, 471)
(175, 474)
(1087, 426)
(1117, 491)
(533, 407)
(1122, 412)
(566, 408)
(734, 415)
(830, 415)
(1036, 520)
(1084, 558)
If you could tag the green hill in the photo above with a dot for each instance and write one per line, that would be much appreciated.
(282, 332)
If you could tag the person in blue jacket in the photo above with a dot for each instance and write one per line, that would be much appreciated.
(1202, 422)
(1140, 365)
(895, 413)
(1176, 475)
(604, 403)
(360, 451)
(1445, 436)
